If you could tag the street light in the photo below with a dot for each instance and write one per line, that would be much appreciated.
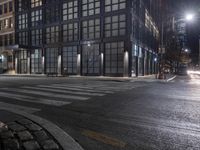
(186, 50)
(189, 17)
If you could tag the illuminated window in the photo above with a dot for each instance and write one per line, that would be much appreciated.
(90, 7)
(113, 5)
(70, 10)
(36, 3)
(115, 25)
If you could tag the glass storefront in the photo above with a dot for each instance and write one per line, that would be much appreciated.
(91, 59)
(51, 61)
(69, 60)
(36, 61)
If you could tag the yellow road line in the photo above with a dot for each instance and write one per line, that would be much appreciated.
(104, 138)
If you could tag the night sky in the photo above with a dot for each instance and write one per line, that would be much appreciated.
(181, 7)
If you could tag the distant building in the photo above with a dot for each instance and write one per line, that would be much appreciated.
(87, 37)
(7, 35)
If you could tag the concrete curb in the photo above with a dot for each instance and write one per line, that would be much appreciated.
(65, 140)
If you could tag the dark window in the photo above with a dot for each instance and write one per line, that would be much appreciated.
(91, 29)
(23, 5)
(115, 25)
(114, 56)
(70, 59)
(10, 6)
(52, 34)
(5, 8)
(36, 37)
(70, 10)
(23, 38)
(51, 60)
(52, 13)
(70, 32)
(1, 9)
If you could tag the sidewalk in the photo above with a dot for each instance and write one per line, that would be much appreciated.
(150, 78)
(18, 132)
(153, 78)
(22, 133)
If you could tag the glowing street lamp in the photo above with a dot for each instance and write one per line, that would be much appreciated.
(189, 17)
(186, 50)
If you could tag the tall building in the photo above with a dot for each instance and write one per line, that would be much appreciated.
(7, 35)
(87, 37)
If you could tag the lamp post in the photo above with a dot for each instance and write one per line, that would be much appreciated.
(187, 18)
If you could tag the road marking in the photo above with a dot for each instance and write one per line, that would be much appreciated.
(15, 108)
(33, 100)
(48, 94)
(63, 91)
(78, 89)
(104, 138)
(172, 78)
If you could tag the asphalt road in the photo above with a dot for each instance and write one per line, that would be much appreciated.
(114, 115)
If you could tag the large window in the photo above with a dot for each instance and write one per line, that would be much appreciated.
(90, 7)
(36, 61)
(70, 32)
(91, 29)
(10, 6)
(115, 25)
(70, 10)
(1, 9)
(113, 5)
(91, 59)
(36, 18)
(23, 21)
(36, 37)
(22, 5)
(52, 34)
(5, 6)
(22, 61)
(52, 13)
(36, 3)
(70, 59)
(51, 60)
(114, 56)
(23, 38)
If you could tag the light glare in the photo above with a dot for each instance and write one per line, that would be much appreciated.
(189, 17)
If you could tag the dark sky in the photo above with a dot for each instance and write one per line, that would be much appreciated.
(182, 7)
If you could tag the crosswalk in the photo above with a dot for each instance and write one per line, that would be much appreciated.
(64, 93)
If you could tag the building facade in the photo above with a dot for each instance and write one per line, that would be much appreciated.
(7, 35)
(87, 37)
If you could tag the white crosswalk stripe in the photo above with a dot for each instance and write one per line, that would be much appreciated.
(14, 107)
(79, 88)
(64, 94)
(49, 94)
(64, 91)
(30, 99)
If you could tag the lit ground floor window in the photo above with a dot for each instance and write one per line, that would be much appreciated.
(91, 59)
(69, 59)
(101, 58)
(51, 60)
(36, 61)
(114, 58)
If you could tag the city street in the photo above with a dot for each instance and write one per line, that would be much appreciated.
(110, 114)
